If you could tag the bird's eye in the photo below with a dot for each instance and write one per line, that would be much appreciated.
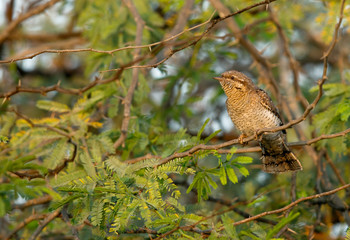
(232, 77)
(238, 88)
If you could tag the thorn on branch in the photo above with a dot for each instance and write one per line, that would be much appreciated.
(4, 100)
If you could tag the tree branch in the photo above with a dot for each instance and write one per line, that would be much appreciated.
(46, 221)
(32, 202)
(252, 218)
(25, 222)
(127, 100)
(291, 205)
(8, 30)
(229, 143)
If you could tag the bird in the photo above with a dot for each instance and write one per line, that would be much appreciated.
(251, 109)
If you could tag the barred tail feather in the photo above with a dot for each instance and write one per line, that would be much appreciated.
(283, 162)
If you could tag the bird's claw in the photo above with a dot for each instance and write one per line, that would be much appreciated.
(257, 136)
(240, 139)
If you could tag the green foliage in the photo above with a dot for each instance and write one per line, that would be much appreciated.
(281, 224)
(203, 179)
(347, 237)
(52, 106)
(60, 144)
(334, 115)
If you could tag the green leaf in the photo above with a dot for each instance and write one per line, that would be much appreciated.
(207, 139)
(114, 107)
(231, 175)
(64, 178)
(223, 177)
(230, 155)
(211, 182)
(251, 235)
(88, 165)
(4, 205)
(194, 182)
(57, 154)
(334, 89)
(229, 227)
(201, 182)
(8, 120)
(97, 213)
(107, 143)
(85, 103)
(243, 170)
(243, 159)
(202, 129)
(95, 150)
(281, 224)
(58, 204)
(344, 110)
(52, 106)
(4, 139)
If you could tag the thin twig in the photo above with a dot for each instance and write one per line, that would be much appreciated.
(110, 52)
(245, 214)
(334, 168)
(291, 205)
(264, 64)
(246, 220)
(46, 221)
(127, 100)
(7, 31)
(30, 122)
(293, 64)
(44, 90)
(192, 226)
(25, 222)
(33, 202)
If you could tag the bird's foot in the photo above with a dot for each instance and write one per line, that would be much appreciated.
(240, 139)
(257, 136)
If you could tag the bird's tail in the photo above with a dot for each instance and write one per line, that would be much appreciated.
(276, 156)
(283, 162)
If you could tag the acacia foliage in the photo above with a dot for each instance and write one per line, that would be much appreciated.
(62, 145)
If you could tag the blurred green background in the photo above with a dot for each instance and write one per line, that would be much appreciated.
(63, 113)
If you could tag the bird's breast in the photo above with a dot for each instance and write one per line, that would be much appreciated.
(248, 115)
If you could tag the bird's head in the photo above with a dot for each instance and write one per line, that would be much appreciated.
(234, 82)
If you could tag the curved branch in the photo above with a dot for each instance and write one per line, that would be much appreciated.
(291, 205)
(104, 51)
(138, 46)
(249, 219)
(46, 221)
(44, 90)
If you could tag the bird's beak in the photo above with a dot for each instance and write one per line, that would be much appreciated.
(219, 78)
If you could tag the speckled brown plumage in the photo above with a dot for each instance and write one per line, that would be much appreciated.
(251, 109)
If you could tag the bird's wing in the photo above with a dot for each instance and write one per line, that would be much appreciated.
(266, 102)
